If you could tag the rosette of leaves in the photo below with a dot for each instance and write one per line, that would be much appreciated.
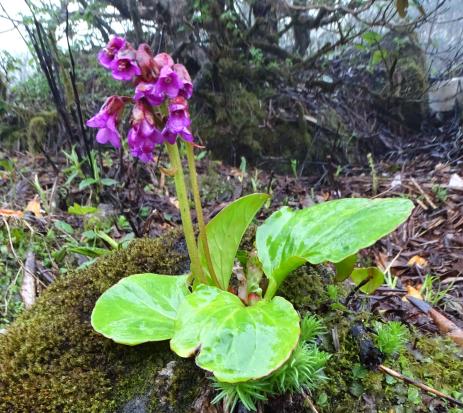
(242, 342)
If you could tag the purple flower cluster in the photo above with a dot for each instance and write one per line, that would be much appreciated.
(159, 84)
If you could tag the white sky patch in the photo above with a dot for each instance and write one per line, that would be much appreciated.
(10, 39)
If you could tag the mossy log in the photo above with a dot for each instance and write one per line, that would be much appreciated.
(51, 360)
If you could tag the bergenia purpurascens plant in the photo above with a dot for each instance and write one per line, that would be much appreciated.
(251, 340)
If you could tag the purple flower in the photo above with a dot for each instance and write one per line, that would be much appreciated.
(124, 66)
(106, 121)
(187, 90)
(179, 116)
(149, 92)
(143, 136)
(168, 83)
(178, 122)
(106, 55)
(170, 136)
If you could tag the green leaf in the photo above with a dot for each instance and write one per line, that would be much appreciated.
(71, 177)
(91, 252)
(224, 233)
(345, 267)
(7, 165)
(105, 237)
(86, 183)
(108, 182)
(331, 231)
(371, 37)
(374, 277)
(89, 235)
(235, 342)
(140, 308)
(378, 56)
(77, 209)
(64, 226)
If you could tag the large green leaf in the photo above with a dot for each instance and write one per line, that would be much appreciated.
(224, 233)
(331, 231)
(235, 342)
(140, 308)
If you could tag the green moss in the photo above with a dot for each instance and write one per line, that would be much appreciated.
(51, 360)
(432, 360)
(38, 129)
(306, 289)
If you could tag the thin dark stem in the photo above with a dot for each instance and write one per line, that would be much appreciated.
(72, 75)
(355, 290)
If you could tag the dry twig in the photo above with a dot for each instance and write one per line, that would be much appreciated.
(418, 384)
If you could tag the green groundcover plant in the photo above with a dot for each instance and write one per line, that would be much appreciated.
(252, 340)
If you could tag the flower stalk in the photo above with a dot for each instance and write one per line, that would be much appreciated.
(199, 212)
(160, 116)
(185, 214)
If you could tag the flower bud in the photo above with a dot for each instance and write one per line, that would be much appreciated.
(149, 68)
(143, 136)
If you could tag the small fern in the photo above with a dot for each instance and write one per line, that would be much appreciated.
(391, 337)
(302, 371)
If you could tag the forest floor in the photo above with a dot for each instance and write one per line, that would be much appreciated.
(52, 222)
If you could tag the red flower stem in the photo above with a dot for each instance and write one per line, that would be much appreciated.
(199, 212)
(185, 213)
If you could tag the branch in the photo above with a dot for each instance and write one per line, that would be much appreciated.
(344, 9)
(418, 384)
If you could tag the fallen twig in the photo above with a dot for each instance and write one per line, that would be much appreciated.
(446, 326)
(309, 402)
(418, 384)
(28, 285)
(426, 196)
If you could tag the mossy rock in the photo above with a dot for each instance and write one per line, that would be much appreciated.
(51, 360)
